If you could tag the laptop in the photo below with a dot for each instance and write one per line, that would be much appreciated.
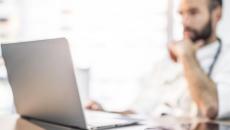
(44, 86)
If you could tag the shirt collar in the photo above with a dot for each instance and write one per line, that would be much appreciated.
(207, 51)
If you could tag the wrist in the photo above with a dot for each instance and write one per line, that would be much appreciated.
(187, 58)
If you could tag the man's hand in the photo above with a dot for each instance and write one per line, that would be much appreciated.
(95, 106)
(201, 87)
(183, 49)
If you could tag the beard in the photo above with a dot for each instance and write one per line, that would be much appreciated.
(204, 34)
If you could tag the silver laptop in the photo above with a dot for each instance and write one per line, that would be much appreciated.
(44, 86)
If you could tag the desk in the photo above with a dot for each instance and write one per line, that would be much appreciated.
(14, 122)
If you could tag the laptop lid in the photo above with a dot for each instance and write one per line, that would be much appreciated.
(42, 78)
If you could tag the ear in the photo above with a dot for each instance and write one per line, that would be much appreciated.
(218, 13)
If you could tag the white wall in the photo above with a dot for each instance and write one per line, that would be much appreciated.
(224, 27)
(118, 39)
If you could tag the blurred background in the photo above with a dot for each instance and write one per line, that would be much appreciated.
(114, 43)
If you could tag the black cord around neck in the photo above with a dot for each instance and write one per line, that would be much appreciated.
(216, 57)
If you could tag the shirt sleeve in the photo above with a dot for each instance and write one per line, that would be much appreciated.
(150, 94)
(224, 103)
(145, 100)
(222, 79)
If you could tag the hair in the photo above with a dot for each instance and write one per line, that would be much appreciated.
(213, 4)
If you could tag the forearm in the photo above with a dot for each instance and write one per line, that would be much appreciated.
(126, 112)
(201, 87)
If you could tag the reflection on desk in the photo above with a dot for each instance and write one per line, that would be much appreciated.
(15, 122)
(199, 126)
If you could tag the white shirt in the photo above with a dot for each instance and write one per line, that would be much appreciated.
(166, 91)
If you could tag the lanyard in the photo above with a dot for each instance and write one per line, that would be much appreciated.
(216, 57)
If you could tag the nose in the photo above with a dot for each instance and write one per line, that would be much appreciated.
(186, 20)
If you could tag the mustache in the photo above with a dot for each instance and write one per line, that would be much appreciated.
(195, 36)
(188, 29)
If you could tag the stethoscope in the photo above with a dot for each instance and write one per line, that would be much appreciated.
(215, 57)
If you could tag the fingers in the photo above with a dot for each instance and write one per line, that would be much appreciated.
(170, 47)
(199, 44)
(172, 56)
(186, 47)
(92, 105)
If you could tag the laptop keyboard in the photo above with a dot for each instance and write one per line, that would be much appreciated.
(95, 118)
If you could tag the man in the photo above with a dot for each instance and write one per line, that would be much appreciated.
(196, 82)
